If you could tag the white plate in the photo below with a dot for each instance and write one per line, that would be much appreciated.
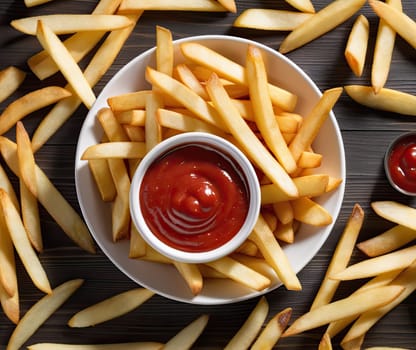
(164, 279)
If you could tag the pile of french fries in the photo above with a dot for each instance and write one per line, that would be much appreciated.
(307, 25)
(211, 93)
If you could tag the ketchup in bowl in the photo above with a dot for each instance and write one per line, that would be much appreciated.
(400, 164)
(194, 198)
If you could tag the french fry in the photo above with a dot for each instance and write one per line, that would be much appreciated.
(22, 245)
(133, 117)
(138, 246)
(29, 103)
(120, 149)
(250, 328)
(8, 187)
(386, 242)
(302, 5)
(52, 200)
(67, 65)
(40, 312)
(185, 338)
(10, 305)
(110, 308)
(118, 346)
(263, 110)
(98, 65)
(192, 276)
(275, 327)
(340, 258)
(186, 76)
(10, 79)
(307, 211)
(368, 319)
(400, 259)
(25, 158)
(310, 160)
(342, 308)
(263, 237)
(383, 50)
(32, 3)
(283, 211)
(285, 232)
(164, 50)
(101, 173)
(240, 273)
(325, 343)
(386, 99)
(254, 262)
(320, 23)
(396, 212)
(153, 130)
(230, 5)
(313, 122)
(399, 21)
(247, 139)
(8, 278)
(132, 6)
(30, 216)
(71, 23)
(270, 19)
(356, 49)
(128, 101)
(234, 72)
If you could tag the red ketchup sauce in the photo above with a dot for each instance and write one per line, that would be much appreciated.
(194, 198)
(402, 164)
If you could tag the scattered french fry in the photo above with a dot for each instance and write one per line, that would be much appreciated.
(250, 328)
(325, 343)
(8, 278)
(302, 5)
(164, 50)
(321, 22)
(396, 19)
(69, 23)
(132, 6)
(110, 308)
(10, 305)
(386, 99)
(10, 79)
(356, 49)
(270, 19)
(118, 346)
(396, 212)
(230, 5)
(40, 312)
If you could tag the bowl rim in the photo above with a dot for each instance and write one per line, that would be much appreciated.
(223, 146)
(213, 300)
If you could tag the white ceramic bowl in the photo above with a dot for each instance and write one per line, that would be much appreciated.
(164, 279)
(228, 151)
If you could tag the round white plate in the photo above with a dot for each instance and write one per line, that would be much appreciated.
(164, 279)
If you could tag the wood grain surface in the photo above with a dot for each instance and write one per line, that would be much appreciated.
(366, 135)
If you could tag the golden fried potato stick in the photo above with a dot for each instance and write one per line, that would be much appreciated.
(310, 212)
(101, 173)
(25, 158)
(275, 256)
(367, 319)
(230, 5)
(270, 19)
(356, 49)
(302, 5)
(152, 129)
(397, 260)
(352, 305)
(164, 50)
(29, 103)
(52, 200)
(185, 338)
(120, 149)
(10, 305)
(388, 241)
(340, 258)
(187, 77)
(110, 308)
(119, 346)
(10, 79)
(32, 3)
(322, 22)
(78, 44)
(247, 139)
(234, 72)
(191, 274)
(99, 64)
(71, 23)
(383, 50)
(274, 328)
(8, 278)
(22, 244)
(132, 6)
(396, 212)
(40, 312)
(67, 65)
(390, 100)
(263, 109)
(399, 21)
(312, 123)
(250, 328)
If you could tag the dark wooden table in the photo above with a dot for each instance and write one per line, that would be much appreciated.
(366, 134)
